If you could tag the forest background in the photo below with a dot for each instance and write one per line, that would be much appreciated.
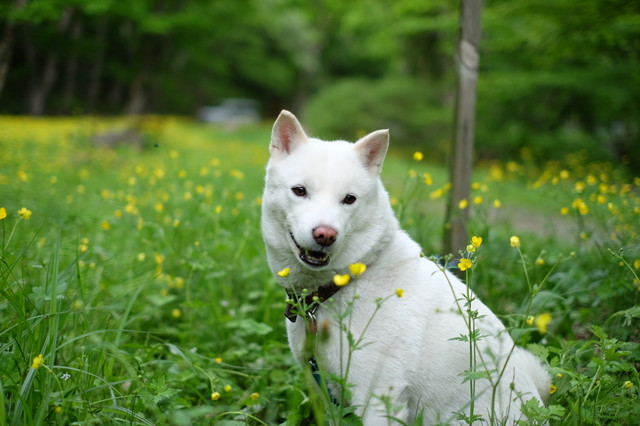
(555, 77)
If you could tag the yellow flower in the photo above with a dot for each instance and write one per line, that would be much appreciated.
(539, 261)
(478, 200)
(418, 156)
(497, 204)
(38, 362)
(465, 264)
(514, 242)
(476, 241)
(176, 313)
(357, 269)
(564, 211)
(218, 360)
(530, 319)
(436, 194)
(3, 213)
(105, 225)
(636, 263)
(427, 179)
(215, 396)
(552, 389)
(542, 321)
(254, 396)
(627, 385)
(24, 213)
(227, 388)
(236, 174)
(284, 272)
(399, 292)
(463, 204)
(341, 280)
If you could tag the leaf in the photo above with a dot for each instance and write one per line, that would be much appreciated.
(462, 338)
(249, 326)
(598, 332)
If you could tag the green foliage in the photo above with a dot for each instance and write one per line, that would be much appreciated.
(560, 77)
(404, 105)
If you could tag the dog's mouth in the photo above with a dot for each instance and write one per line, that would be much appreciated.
(312, 258)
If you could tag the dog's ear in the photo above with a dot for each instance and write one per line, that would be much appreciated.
(372, 149)
(287, 135)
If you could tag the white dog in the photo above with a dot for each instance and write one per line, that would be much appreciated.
(324, 208)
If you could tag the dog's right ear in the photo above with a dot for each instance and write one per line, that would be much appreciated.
(287, 135)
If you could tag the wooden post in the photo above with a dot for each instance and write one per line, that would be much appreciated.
(455, 236)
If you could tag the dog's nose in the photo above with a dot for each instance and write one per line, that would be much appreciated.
(325, 235)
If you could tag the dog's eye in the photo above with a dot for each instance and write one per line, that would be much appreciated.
(300, 191)
(349, 199)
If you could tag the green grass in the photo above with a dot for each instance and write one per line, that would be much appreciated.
(142, 280)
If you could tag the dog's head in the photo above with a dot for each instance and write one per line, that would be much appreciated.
(324, 206)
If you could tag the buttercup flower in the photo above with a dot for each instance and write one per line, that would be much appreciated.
(37, 362)
(399, 292)
(357, 269)
(254, 396)
(463, 204)
(542, 321)
(465, 264)
(552, 389)
(341, 280)
(418, 156)
(215, 396)
(3, 213)
(284, 272)
(24, 213)
(627, 385)
(227, 388)
(530, 319)
(514, 242)
(476, 241)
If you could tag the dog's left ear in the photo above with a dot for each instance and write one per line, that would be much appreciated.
(287, 135)
(372, 149)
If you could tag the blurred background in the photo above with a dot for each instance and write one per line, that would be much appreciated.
(556, 77)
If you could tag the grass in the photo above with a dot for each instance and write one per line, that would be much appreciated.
(141, 278)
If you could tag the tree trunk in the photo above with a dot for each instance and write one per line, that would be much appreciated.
(71, 71)
(95, 75)
(41, 87)
(6, 46)
(456, 237)
(137, 90)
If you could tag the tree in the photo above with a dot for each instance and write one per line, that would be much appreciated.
(456, 237)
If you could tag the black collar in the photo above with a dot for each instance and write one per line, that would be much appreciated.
(309, 302)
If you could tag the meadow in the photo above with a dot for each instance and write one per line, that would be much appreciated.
(134, 287)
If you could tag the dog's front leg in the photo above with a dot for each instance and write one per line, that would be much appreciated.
(380, 397)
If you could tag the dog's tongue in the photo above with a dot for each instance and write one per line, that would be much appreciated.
(314, 258)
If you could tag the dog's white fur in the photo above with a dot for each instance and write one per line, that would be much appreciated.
(408, 354)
